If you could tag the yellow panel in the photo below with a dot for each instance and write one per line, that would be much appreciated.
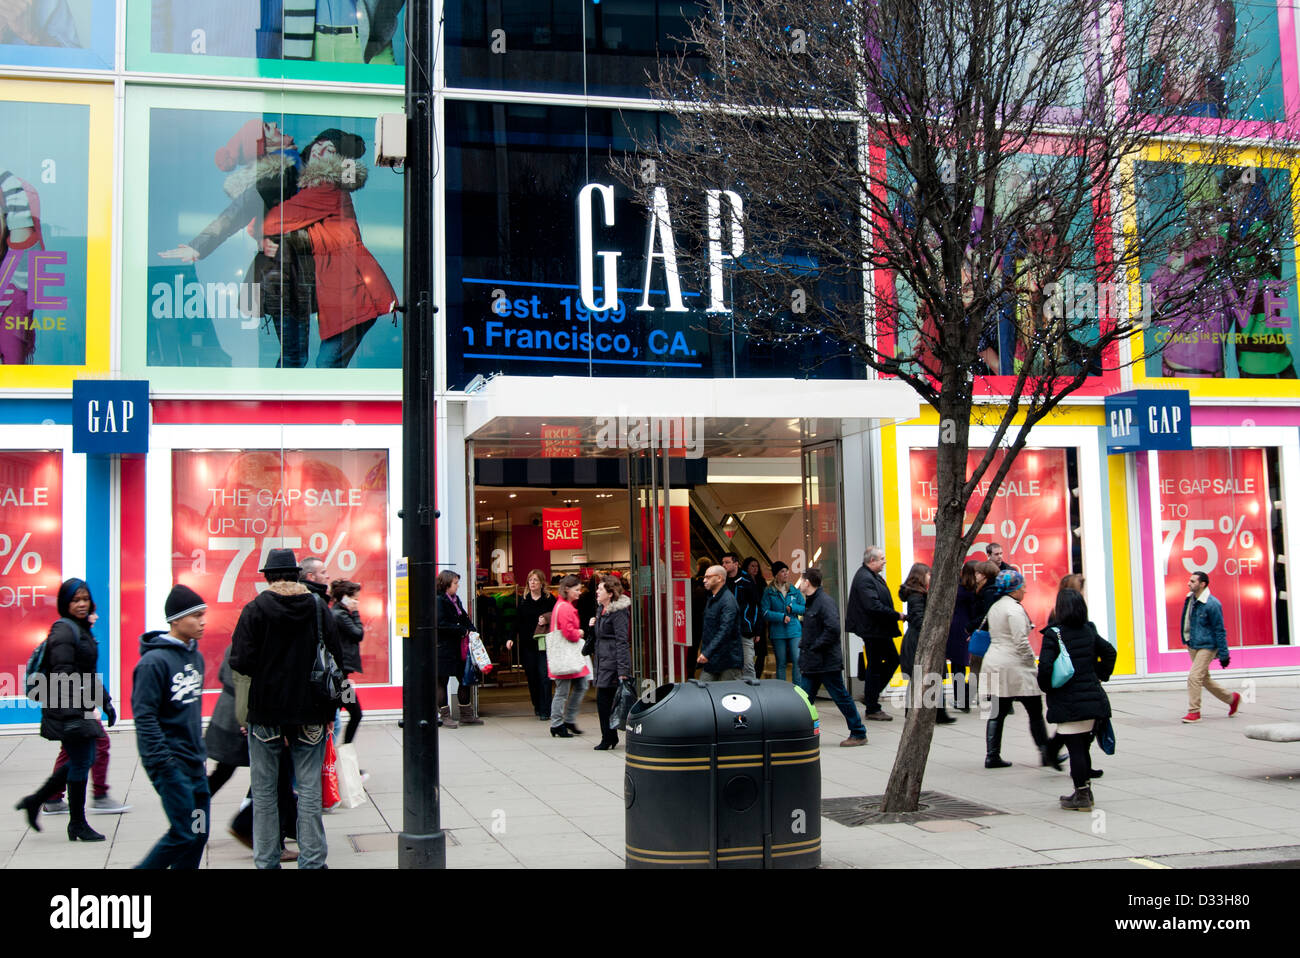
(99, 235)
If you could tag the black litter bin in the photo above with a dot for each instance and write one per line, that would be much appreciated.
(724, 775)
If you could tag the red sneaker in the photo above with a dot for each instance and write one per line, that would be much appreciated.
(1236, 703)
(1192, 717)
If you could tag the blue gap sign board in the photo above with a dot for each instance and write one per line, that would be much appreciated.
(1144, 419)
(110, 416)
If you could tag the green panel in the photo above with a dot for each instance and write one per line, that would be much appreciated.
(154, 47)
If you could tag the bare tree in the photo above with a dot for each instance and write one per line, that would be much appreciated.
(949, 191)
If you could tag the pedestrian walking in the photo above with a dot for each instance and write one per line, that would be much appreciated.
(758, 586)
(347, 620)
(986, 594)
(958, 648)
(741, 585)
(101, 802)
(914, 593)
(1010, 672)
(1206, 639)
(873, 618)
(721, 657)
(167, 703)
(569, 686)
(454, 627)
(822, 654)
(613, 628)
(782, 606)
(532, 618)
(274, 649)
(69, 700)
(994, 552)
(1078, 705)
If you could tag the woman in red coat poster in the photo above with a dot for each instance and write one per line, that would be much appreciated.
(351, 288)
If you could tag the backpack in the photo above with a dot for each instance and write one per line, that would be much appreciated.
(37, 678)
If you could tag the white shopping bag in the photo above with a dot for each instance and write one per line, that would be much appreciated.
(351, 791)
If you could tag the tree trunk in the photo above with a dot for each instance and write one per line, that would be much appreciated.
(903, 793)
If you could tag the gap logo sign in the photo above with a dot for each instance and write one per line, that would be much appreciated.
(110, 416)
(1143, 419)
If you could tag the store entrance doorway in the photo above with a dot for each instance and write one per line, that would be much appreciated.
(652, 514)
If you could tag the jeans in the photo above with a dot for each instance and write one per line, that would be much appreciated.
(568, 697)
(747, 653)
(726, 675)
(834, 683)
(307, 749)
(81, 755)
(186, 801)
(882, 662)
(787, 650)
(292, 333)
(337, 351)
(98, 771)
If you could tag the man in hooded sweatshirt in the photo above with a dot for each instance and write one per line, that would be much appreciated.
(272, 653)
(167, 699)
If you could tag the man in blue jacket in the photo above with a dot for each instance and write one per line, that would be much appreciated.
(821, 655)
(167, 699)
(720, 655)
(1206, 639)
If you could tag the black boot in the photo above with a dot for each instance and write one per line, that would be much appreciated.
(78, 830)
(993, 743)
(941, 717)
(960, 692)
(32, 803)
(1080, 801)
(1051, 753)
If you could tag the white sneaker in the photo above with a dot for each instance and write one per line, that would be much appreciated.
(107, 805)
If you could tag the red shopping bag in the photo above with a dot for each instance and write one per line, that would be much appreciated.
(329, 776)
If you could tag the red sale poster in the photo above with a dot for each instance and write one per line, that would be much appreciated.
(1030, 517)
(231, 508)
(31, 551)
(561, 528)
(1214, 517)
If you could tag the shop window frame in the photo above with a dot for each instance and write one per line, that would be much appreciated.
(1165, 653)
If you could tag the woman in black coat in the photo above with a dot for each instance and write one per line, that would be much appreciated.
(1080, 703)
(959, 631)
(613, 629)
(71, 650)
(454, 626)
(914, 592)
(531, 620)
(348, 622)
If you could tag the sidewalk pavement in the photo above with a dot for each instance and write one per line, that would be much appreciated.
(1173, 795)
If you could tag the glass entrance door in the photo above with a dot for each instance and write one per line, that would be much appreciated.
(659, 517)
(823, 515)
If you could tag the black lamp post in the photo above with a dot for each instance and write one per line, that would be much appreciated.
(421, 843)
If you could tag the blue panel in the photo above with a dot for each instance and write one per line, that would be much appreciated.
(35, 411)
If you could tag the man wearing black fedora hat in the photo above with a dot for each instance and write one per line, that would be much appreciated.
(272, 653)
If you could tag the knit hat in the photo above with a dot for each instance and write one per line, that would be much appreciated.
(349, 145)
(1008, 581)
(281, 560)
(777, 566)
(245, 146)
(182, 601)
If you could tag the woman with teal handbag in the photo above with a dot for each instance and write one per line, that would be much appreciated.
(1078, 705)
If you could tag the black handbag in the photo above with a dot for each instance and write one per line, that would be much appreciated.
(624, 699)
(326, 676)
